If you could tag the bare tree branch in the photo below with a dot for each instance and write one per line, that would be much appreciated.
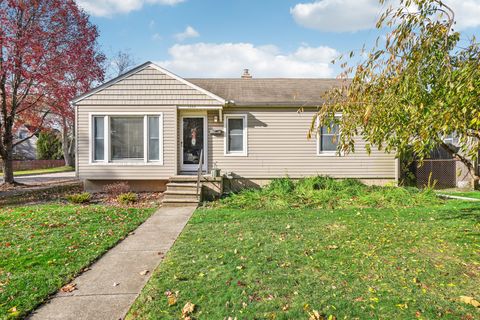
(35, 132)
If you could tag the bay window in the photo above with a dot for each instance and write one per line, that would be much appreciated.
(127, 138)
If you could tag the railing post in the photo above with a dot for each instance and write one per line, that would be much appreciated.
(199, 173)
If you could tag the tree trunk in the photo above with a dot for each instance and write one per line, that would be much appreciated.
(67, 145)
(6, 153)
(67, 156)
(8, 166)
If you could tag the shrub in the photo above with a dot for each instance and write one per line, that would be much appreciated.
(49, 146)
(281, 186)
(127, 198)
(325, 192)
(79, 197)
(116, 188)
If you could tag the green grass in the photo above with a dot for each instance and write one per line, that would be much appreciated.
(350, 263)
(468, 194)
(44, 246)
(41, 171)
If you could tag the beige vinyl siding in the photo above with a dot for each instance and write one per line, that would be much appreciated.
(278, 146)
(149, 87)
(147, 91)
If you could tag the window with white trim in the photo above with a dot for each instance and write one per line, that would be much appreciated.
(236, 135)
(451, 139)
(126, 138)
(328, 139)
(99, 138)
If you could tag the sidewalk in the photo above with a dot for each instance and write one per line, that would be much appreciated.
(108, 289)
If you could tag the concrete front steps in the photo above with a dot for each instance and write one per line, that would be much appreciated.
(181, 191)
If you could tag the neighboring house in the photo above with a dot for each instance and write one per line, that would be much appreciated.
(26, 150)
(149, 125)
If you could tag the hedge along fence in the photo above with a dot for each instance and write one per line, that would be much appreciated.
(20, 165)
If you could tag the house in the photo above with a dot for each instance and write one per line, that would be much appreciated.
(150, 126)
(26, 150)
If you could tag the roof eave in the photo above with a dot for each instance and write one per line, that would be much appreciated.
(297, 104)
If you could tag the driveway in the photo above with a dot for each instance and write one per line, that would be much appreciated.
(39, 182)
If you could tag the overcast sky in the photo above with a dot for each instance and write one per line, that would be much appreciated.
(273, 38)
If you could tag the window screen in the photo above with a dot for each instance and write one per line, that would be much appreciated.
(126, 134)
(235, 134)
(99, 138)
(329, 138)
(154, 138)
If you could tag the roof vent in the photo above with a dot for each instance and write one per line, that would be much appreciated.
(246, 75)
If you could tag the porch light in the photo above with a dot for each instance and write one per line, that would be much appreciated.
(215, 119)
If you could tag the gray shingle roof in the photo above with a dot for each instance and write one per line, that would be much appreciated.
(265, 92)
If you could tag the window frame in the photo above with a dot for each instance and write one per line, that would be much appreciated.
(93, 139)
(107, 138)
(244, 152)
(451, 139)
(326, 153)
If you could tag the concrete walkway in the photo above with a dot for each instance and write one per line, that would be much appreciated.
(109, 288)
(451, 196)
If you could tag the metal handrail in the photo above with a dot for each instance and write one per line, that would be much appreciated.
(199, 172)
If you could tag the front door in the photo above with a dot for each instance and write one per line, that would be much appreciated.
(193, 142)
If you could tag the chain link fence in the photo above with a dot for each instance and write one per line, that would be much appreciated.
(441, 173)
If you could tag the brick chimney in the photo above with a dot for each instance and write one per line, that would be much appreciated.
(246, 75)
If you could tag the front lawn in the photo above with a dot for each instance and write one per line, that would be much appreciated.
(41, 171)
(396, 262)
(44, 246)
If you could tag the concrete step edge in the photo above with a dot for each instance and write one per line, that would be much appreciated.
(177, 200)
(182, 184)
(181, 192)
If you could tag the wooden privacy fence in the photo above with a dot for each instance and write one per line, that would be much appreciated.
(19, 165)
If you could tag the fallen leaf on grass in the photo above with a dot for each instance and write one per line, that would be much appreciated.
(470, 300)
(315, 315)
(171, 297)
(402, 306)
(13, 312)
(69, 287)
(187, 310)
(332, 247)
